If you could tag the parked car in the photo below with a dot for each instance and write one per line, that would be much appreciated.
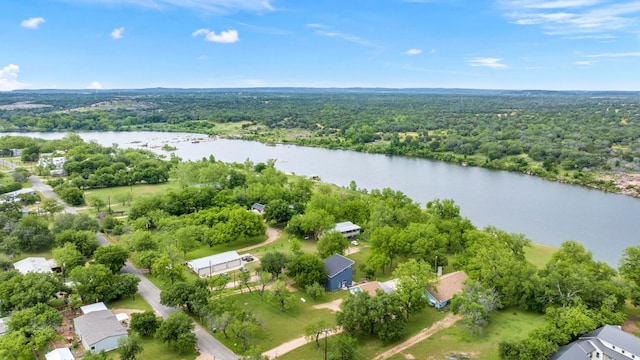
(247, 258)
(224, 274)
(243, 269)
(354, 243)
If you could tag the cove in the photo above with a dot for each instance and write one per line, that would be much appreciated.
(546, 212)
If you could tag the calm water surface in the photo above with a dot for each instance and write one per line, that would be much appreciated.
(546, 212)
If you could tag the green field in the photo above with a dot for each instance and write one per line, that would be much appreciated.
(116, 195)
(539, 255)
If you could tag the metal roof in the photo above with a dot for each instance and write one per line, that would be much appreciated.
(97, 326)
(93, 307)
(213, 260)
(615, 336)
(60, 354)
(346, 226)
(34, 264)
(337, 264)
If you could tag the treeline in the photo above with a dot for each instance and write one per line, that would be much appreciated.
(568, 137)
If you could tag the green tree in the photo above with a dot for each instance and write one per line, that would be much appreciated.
(385, 243)
(331, 243)
(315, 290)
(277, 212)
(78, 222)
(145, 323)
(274, 262)
(476, 304)
(177, 331)
(84, 240)
(245, 327)
(68, 257)
(130, 347)
(281, 295)
(413, 277)
(19, 291)
(51, 206)
(32, 233)
(630, 270)
(167, 268)
(313, 330)
(307, 269)
(187, 295)
(112, 256)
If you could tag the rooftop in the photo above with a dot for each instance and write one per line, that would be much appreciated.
(35, 264)
(346, 226)
(337, 264)
(98, 325)
(450, 284)
(213, 260)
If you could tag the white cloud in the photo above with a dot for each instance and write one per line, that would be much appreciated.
(494, 63)
(116, 34)
(95, 85)
(585, 62)
(225, 37)
(414, 52)
(32, 23)
(9, 78)
(211, 6)
(575, 18)
(345, 37)
(615, 55)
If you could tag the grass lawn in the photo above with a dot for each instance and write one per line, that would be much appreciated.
(368, 347)
(508, 324)
(539, 255)
(280, 327)
(205, 250)
(156, 350)
(130, 193)
(137, 303)
(45, 254)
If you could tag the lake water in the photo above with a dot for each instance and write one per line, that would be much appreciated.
(546, 212)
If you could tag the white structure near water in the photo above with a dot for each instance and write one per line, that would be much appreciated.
(214, 264)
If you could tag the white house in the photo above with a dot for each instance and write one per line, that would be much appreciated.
(214, 264)
(13, 195)
(35, 264)
(348, 229)
(99, 330)
(93, 307)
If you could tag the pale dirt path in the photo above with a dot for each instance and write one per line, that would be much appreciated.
(333, 306)
(273, 234)
(448, 321)
(292, 345)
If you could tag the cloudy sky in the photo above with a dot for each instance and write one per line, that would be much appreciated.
(490, 44)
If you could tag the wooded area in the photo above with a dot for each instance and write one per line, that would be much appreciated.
(587, 138)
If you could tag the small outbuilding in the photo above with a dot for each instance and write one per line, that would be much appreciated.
(211, 265)
(339, 272)
(450, 284)
(257, 208)
(99, 306)
(372, 288)
(348, 229)
(35, 264)
(59, 354)
(99, 330)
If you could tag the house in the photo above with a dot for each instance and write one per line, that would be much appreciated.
(14, 195)
(608, 343)
(339, 272)
(348, 229)
(450, 284)
(99, 330)
(372, 288)
(214, 264)
(48, 161)
(59, 354)
(16, 152)
(257, 208)
(35, 264)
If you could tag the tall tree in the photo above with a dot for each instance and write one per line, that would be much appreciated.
(130, 347)
(413, 277)
(112, 256)
(177, 331)
(331, 243)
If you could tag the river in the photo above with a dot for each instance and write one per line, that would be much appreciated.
(546, 212)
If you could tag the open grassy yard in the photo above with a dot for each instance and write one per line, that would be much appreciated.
(368, 347)
(539, 255)
(508, 324)
(127, 194)
(156, 350)
(280, 327)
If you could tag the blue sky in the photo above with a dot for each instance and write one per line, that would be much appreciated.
(489, 44)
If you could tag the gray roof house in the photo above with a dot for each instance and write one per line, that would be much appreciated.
(214, 264)
(339, 272)
(99, 330)
(347, 228)
(608, 343)
(35, 264)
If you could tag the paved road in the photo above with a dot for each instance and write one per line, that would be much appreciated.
(47, 191)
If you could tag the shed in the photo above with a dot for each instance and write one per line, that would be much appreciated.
(348, 229)
(257, 208)
(450, 284)
(93, 307)
(35, 264)
(339, 272)
(214, 264)
(59, 354)
(99, 330)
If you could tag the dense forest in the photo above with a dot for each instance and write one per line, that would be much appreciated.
(585, 138)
